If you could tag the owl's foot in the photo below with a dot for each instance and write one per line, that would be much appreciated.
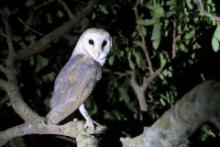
(90, 124)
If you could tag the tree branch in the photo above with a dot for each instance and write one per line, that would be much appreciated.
(42, 44)
(198, 106)
(33, 123)
(200, 6)
(142, 44)
(140, 90)
(73, 129)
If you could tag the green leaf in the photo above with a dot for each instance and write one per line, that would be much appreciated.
(111, 60)
(130, 62)
(147, 22)
(60, 14)
(156, 10)
(190, 35)
(162, 59)
(103, 9)
(189, 4)
(49, 19)
(215, 44)
(49, 77)
(216, 39)
(30, 3)
(156, 35)
(217, 33)
(17, 142)
(139, 59)
(162, 102)
(41, 62)
(123, 94)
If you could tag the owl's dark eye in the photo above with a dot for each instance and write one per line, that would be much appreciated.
(104, 43)
(91, 42)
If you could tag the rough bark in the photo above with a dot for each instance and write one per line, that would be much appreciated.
(198, 106)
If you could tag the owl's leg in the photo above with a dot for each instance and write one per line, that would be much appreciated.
(85, 114)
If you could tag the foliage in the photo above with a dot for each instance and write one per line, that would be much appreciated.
(176, 34)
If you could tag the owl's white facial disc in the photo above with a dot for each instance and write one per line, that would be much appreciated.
(97, 43)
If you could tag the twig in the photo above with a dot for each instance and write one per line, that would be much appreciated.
(30, 28)
(148, 80)
(174, 41)
(8, 38)
(143, 42)
(200, 6)
(3, 100)
(43, 4)
(118, 73)
(144, 48)
(3, 69)
(66, 8)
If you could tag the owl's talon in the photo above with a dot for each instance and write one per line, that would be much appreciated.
(91, 124)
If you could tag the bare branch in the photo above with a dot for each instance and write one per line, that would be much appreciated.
(143, 42)
(66, 8)
(16, 101)
(176, 37)
(3, 100)
(73, 129)
(145, 50)
(30, 28)
(42, 44)
(8, 35)
(3, 69)
(139, 91)
(4, 84)
(174, 41)
(118, 73)
(148, 80)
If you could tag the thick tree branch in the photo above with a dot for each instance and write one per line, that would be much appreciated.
(73, 129)
(198, 106)
(139, 91)
(10, 86)
(42, 44)
(16, 101)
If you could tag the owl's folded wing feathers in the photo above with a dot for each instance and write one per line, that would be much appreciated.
(73, 85)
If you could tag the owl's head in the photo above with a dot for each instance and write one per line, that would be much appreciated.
(95, 43)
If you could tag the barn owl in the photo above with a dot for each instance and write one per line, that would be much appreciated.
(77, 78)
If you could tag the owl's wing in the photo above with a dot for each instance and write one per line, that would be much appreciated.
(73, 85)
